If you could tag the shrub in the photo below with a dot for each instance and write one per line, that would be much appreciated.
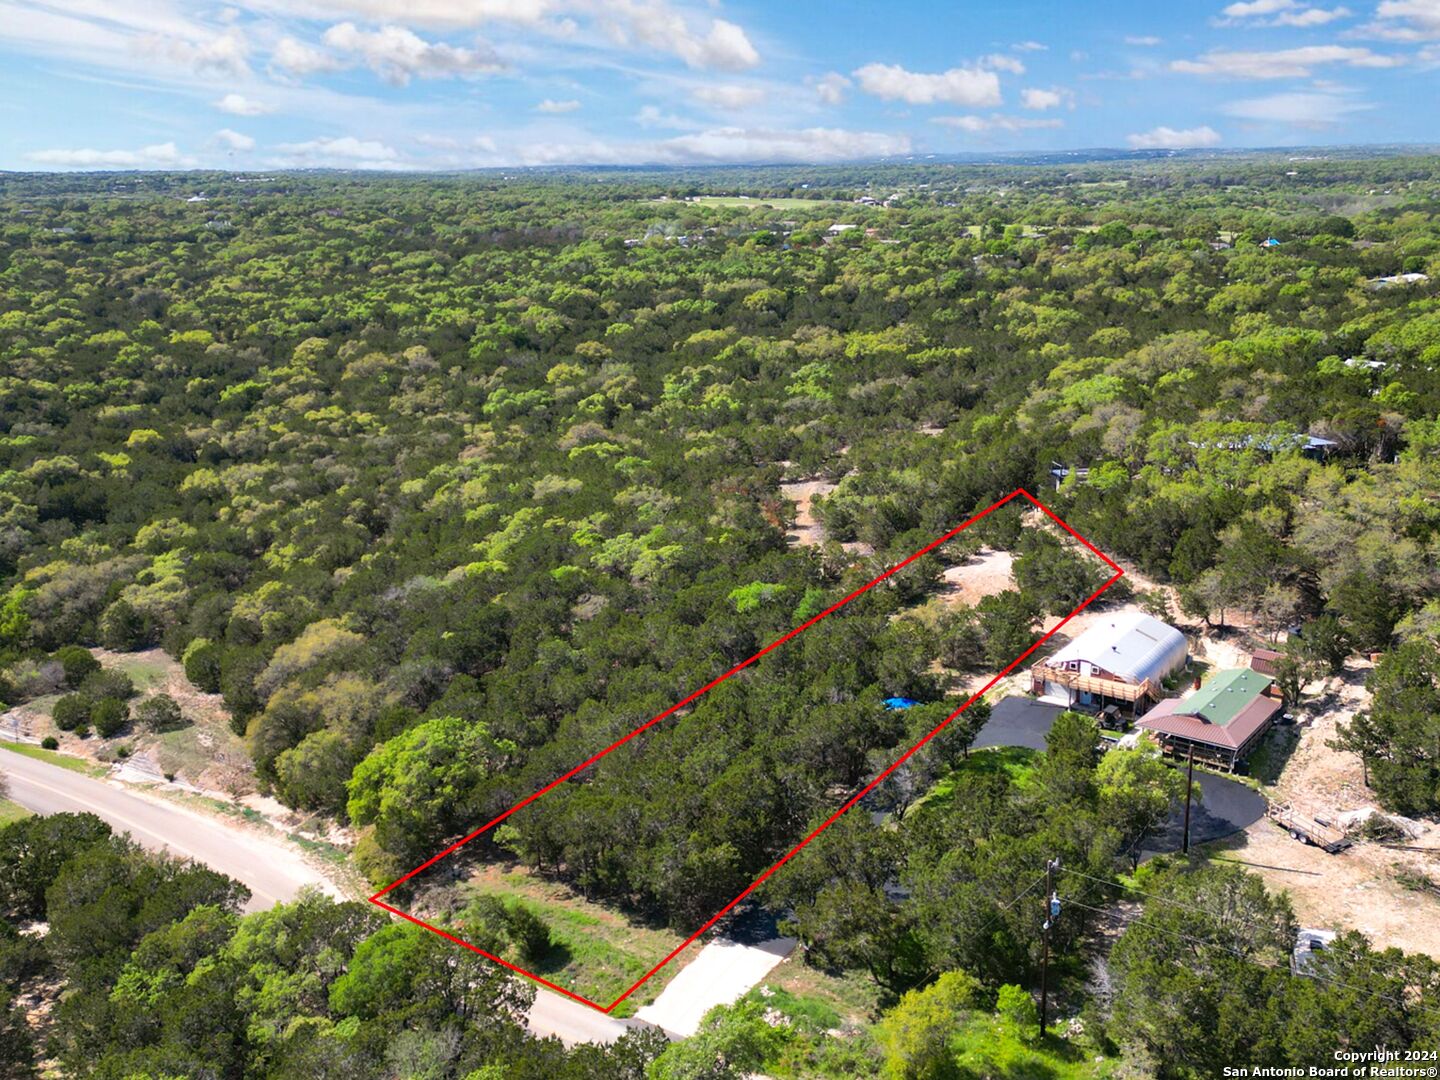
(1017, 1008)
(202, 665)
(160, 713)
(50, 742)
(529, 932)
(109, 715)
(77, 662)
(71, 711)
(103, 684)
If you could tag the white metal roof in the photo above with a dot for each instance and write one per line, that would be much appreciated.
(1130, 644)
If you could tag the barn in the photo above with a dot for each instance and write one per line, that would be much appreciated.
(1122, 659)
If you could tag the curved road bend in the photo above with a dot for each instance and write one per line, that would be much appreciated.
(272, 869)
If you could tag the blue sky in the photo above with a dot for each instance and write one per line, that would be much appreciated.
(442, 84)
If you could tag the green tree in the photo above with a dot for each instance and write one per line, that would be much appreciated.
(733, 1042)
(426, 784)
(1398, 737)
(915, 1035)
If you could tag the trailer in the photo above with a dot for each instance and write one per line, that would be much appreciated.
(1310, 828)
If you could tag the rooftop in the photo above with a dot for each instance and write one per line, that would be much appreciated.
(1130, 644)
(1225, 694)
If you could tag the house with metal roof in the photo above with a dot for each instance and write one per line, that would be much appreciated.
(1122, 659)
(1221, 722)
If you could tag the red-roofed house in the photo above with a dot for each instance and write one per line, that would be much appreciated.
(1222, 722)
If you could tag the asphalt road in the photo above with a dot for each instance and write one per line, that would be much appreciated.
(570, 1021)
(269, 866)
(272, 868)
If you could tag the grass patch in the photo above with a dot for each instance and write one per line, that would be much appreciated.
(11, 812)
(145, 674)
(1017, 762)
(851, 995)
(595, 950)
(988, 1047)
(54, 757)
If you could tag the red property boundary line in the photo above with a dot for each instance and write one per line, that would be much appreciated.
(1017, 493)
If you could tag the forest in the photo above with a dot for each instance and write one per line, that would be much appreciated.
(447, 482)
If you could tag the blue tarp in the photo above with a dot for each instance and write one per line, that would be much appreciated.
(899, 703)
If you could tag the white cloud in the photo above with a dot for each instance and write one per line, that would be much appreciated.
(1001, 62)
(1168, 138)
(1280, 13)
(475, 151)
(1029, 46)
(345, 152)
(1143, 41)
(760, 145)
(1040, 100)
(1256, 8)
(297, 58)
(219, 54)
(240, 105)
(1406, 20)
(397, 55)
(234, 140)
(655, 25)
(549, 106)
(1282, 63)
(1298, 109)
(730, 97)
(996, 122)
(958, 86)
(159, 156)
(830, 88)
(651, 116)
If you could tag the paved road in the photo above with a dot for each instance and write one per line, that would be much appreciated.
(272, 868)
(572, 1022)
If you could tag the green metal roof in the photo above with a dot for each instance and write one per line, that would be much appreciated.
(1225, 694)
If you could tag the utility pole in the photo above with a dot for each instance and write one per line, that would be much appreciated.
(1052, 909)
(1189, 790)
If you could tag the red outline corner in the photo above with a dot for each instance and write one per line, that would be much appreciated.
(1018, 492)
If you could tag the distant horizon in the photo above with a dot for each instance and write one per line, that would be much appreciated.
(1037, 158)
(457, 85)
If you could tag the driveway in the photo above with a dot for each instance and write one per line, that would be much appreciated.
(270, 866)
(1018, 721)
(1226, 805)
(723, 972)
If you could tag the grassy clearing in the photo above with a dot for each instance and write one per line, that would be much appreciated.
(1017, 762)
(851, 996)
(52, 757)
(597, 951)
(11, 812)
(147, 675)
